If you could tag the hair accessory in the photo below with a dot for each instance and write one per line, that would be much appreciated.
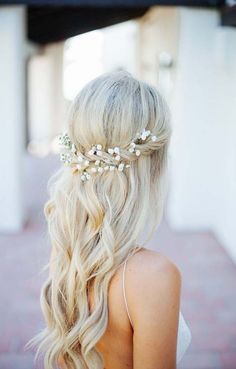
(96, 150)
(108, 160)
(133, 149)
(115, 152)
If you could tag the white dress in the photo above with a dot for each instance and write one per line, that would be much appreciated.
(184, 334)
(184, 338)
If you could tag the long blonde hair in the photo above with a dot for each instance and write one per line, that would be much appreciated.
(93, 225)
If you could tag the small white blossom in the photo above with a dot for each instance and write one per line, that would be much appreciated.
(145, 134)
(73, 148)
(121, 166)
(154, 138)
(85, 176)
(65, 141)
(66, 157)
(111, 151)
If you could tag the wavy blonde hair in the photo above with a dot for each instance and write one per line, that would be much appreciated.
(93, 225)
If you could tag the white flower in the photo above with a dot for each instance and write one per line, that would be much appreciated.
(111, 151)
(145, 134)
(65, 141)
(66, 157)
(116, 150)
(85, 176)
(73, 148)
(132, 148)
(121, 166)
(99, 146)
(97, 162)
(117, 157)
(154, 138)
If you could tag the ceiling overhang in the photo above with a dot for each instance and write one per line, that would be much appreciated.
(56, 20)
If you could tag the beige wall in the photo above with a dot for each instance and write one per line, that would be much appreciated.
(158, 34)
(200, 88)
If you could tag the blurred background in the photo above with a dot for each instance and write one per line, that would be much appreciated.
(48, 51)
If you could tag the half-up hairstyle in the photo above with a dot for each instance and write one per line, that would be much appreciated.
(93, 225)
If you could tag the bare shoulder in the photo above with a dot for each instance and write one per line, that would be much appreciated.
(148, 267)
(154, 284)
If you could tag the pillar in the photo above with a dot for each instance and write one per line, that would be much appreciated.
(12, 116)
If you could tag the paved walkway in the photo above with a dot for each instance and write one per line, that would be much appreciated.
(208, 291)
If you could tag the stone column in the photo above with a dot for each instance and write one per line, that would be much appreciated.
(12, 116)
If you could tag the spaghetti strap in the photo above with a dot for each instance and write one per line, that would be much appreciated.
(123, 280)
(126, 305)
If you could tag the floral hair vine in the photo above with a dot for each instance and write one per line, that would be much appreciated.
(104, 160)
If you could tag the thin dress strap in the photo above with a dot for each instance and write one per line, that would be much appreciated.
(124, 269)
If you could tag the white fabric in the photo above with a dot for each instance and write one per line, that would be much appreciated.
(184, 338)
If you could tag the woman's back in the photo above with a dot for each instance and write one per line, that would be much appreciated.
(110, 189)
(117, 344)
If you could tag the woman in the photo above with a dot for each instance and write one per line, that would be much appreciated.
(110, 302)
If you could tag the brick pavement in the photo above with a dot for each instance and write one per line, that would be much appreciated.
(208, 290)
